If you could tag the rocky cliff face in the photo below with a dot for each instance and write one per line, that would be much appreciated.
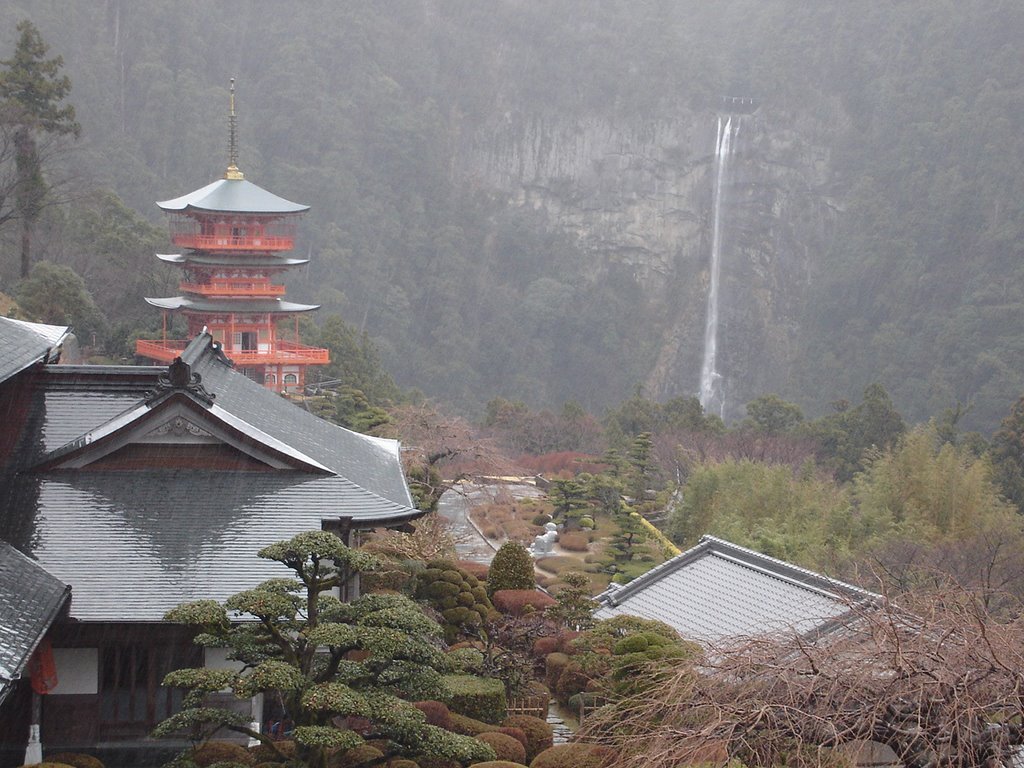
(637, 194)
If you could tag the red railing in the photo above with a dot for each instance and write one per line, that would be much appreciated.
(285, 352)
(162, 351)
(198, 242)
(234, 288)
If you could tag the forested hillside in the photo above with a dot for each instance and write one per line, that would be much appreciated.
(883, 184)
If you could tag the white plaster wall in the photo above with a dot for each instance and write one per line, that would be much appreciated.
(78, 670)
(217, 658)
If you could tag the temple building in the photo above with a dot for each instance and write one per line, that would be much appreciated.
(234, 236)
(126, 490)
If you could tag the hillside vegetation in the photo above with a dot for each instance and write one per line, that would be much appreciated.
(362, 110)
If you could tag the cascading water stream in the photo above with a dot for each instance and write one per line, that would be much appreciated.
(712, 396)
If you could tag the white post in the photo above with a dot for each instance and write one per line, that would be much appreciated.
(256, 712)
(34, 750)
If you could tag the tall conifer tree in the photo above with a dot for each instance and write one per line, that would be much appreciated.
(31, 92)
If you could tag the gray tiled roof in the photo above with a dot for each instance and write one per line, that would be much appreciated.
(137, 542)
(718, 590)
(30, 599)
(233, 196)
(22, 344)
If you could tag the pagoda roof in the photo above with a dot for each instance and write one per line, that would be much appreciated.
(271, 306)
(221, 260)
(233, 196)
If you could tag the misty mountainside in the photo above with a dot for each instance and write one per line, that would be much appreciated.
(515, 198)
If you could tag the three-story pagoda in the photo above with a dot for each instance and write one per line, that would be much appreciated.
(234, 237)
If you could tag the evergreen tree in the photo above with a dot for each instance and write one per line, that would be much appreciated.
(511, 568)
(1007, 455)
(300, 646)
(31, 92)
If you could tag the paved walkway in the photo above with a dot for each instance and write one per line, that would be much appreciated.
(473, 545)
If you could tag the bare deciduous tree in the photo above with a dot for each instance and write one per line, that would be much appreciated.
(938, 681)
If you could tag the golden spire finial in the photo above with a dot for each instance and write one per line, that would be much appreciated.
(233, 172)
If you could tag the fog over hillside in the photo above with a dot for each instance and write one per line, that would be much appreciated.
(523, 198)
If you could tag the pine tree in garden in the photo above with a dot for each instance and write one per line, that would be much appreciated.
(299, 646)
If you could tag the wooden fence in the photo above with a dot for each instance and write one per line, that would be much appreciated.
(535, 706)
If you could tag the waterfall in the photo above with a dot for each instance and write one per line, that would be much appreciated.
(712, 394)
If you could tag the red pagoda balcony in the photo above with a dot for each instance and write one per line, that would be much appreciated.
(162, 351)
(283, 353)
(234, 288)
(232, 243)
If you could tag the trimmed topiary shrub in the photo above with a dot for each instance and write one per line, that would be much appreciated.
(574, 542)
(220, 752)
(460, 598)
(473, 568)
(467, 726)
(511, 568)
(541, 519)
(263, 753)
(76, 759)
(436, 712)
(542, 646)
(402, 762)
(482, 698)
(504, 746)
(381, 581)
(539, 735)
(516, 602)
(575, 755)
(516, 733)
(554, 665)
(498, 764)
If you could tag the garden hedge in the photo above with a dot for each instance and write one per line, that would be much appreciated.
(482, 698)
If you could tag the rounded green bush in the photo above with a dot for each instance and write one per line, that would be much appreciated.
(505, 747)
(498, 764)
(466, 599)
(452, 577)
(511, 568)
(541, 519)
(633, 644)
(439, 590)
(482, 698)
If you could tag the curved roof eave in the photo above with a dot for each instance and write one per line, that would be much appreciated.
(249, 260)
(272, 306)
(233, 196)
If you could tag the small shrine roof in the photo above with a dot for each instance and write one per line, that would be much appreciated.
(25, 344)
(30, 599)
(233, 196)
(718, 591)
